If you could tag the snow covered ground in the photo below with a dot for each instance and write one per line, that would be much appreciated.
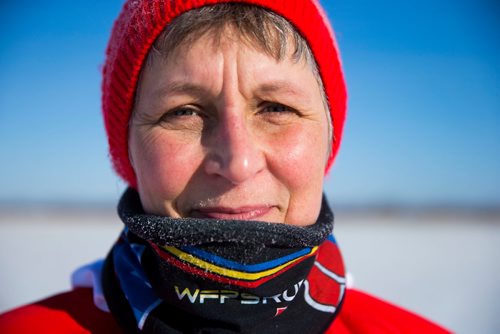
(446, 269)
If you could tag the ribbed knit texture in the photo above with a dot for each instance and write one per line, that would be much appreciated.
(141, 22)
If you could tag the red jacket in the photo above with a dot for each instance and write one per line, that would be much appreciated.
(74, 312)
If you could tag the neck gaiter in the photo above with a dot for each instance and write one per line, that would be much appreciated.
(168, 275)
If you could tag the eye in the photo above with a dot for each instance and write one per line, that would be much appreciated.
(184, 112)
(186, 117)
(180, 113)
(277, 113)
(277, 108)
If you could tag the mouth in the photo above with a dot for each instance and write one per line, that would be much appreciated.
(241, 213)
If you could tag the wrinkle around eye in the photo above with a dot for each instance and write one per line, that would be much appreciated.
(183, 118)
(277, 113)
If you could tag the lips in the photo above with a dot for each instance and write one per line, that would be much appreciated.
(241, 213)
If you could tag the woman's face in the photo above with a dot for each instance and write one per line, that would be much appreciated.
(222, 130)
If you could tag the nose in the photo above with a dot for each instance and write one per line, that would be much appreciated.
(234, 152)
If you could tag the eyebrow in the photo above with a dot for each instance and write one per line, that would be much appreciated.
(281, 86)
(276, 86)
(179, 87)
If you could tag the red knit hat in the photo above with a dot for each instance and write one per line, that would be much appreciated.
(141, 22)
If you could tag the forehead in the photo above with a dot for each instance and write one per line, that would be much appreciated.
(206, 63)
(254, 26)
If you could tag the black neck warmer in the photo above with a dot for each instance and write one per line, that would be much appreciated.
(167, 275)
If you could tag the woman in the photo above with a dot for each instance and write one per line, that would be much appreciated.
(223, 117)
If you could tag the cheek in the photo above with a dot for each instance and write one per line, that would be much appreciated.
(298, 161)
(163, 168)
(299, 156)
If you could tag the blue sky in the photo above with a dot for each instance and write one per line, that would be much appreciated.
(424, 101)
